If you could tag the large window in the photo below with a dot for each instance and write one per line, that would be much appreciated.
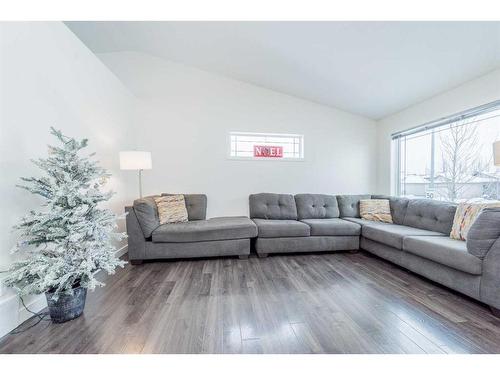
(266, 146)
(450, 159)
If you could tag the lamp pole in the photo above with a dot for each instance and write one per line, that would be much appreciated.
(140, 183)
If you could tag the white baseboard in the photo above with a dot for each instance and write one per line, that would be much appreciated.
(36, 304)
(121, 251)
(13, 313)
(9, 313)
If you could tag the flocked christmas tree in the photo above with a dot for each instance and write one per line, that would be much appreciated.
(70, 238)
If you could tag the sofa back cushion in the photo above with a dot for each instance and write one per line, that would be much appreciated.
(196, 205)
(430, 215)
(272, 206)
(484, 232)
(147, 214)
(349, 204)
(398, 207)
(316, 206)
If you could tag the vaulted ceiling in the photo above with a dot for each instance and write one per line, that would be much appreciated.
(369, 68)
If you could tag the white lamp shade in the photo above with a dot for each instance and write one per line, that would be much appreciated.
(135, 160)
(496, 153)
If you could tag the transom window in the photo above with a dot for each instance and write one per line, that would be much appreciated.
(450, 159)
(266, 146)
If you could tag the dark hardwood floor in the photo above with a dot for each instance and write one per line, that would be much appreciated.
(312, 303)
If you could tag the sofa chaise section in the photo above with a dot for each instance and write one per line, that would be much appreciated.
(214, 229)
(222, 236)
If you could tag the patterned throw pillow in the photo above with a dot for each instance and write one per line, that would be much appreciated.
(375, 210)
(464, 218)
(171, 209)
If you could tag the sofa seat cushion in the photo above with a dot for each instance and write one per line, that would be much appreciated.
(392, 234)
(215, 229)
(332, 227)
(281, 228)
(357, 220)
(444, 250)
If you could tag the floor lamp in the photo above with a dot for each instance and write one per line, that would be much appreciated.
(137, 161)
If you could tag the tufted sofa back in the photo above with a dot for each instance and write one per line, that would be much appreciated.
(430, 215)
(398, 207)
(349, 204)
(272, 206)
(316, 206)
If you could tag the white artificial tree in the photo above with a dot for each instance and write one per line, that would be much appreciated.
(71, 237)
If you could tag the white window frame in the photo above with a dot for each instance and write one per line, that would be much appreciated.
(260, 134)
(399, 138)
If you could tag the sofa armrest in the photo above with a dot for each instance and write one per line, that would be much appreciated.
(147, 215)
(136, 240)
(484, 232)
(483, 241)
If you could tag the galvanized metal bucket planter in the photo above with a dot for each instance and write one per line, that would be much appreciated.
(66, 307)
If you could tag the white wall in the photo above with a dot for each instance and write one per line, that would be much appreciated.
(48, 77)
(185, 116)
(479, 91)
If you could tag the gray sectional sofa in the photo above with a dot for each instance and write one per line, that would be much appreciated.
(471, 267)
(198, 237)
(418, 239)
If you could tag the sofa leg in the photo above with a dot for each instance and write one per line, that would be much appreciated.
(136, 262)
(262, 255)
(495, 311)
(243, 256)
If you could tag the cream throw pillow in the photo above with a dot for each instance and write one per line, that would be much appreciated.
(375, 210)
(465, 216)
(171, 209)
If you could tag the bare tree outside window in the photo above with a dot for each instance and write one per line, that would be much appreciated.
(462, 159)
(452, 161)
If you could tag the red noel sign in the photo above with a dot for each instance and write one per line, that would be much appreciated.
(267, 151)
